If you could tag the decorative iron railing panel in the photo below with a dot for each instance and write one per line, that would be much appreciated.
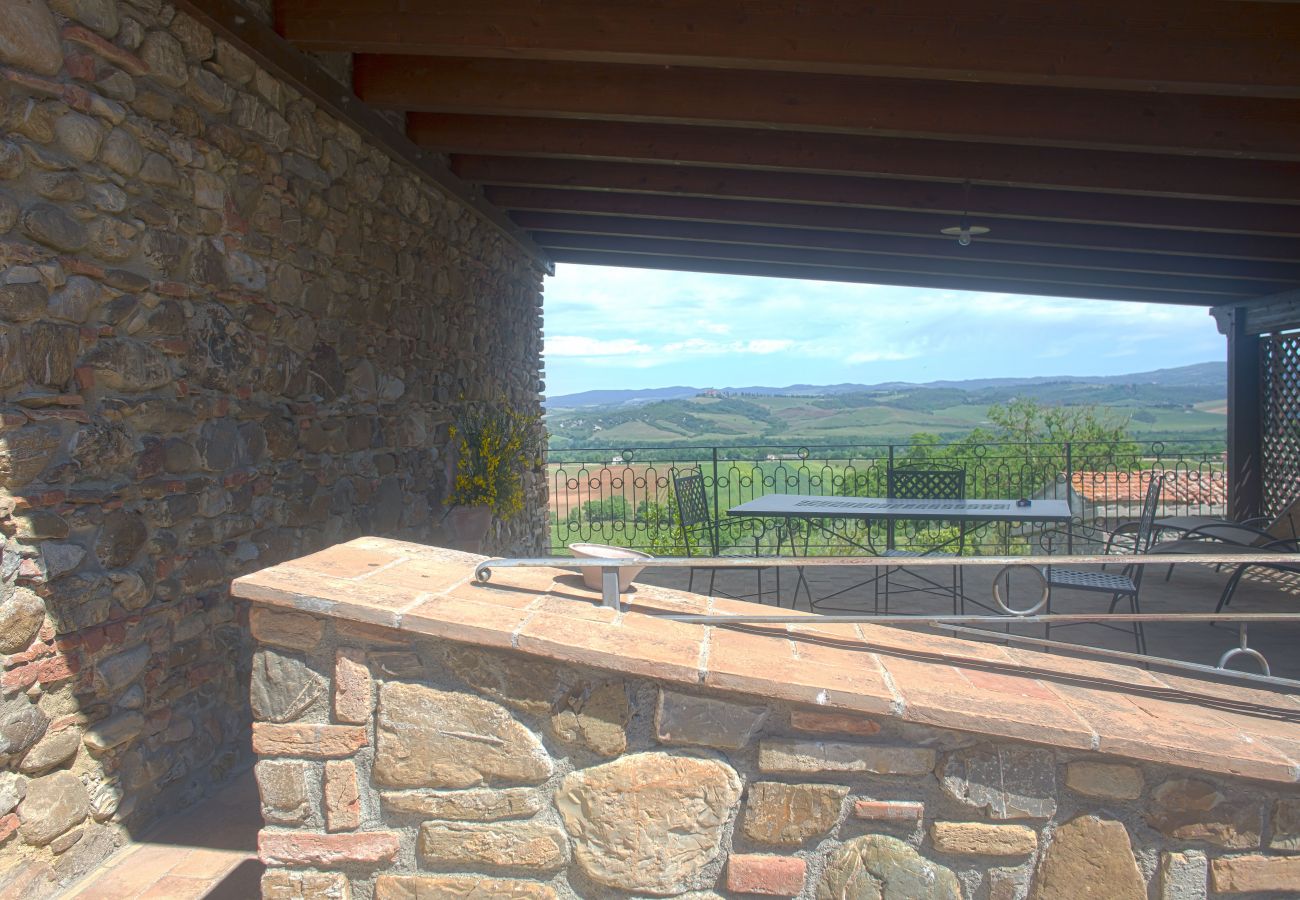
(624, 496)
(1280, 418)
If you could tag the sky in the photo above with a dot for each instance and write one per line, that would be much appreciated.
(617, 328)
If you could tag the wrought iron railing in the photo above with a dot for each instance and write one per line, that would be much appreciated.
(624, 496)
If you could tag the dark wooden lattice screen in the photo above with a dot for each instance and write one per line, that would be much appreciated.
(1280, 418)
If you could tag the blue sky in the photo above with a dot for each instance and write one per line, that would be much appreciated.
(638, 328)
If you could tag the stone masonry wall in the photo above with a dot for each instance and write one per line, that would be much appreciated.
(400, 768)
(231, 332)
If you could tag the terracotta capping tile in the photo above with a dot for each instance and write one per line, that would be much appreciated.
(344, 561)
(1008, 706)
(488, 624)
(1162, 734)
(669, 651)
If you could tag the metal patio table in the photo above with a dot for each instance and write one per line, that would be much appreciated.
(813, 509)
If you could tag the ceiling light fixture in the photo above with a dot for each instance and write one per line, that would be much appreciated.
(964, 230)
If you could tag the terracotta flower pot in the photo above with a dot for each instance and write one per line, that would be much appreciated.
(468, 526)
(591, 577)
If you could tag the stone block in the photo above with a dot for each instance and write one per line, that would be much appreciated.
(518, 682)
(354, 699)
(114, 731)
(1111, 781)
(532, 847)
(833, 723)
(879, 866)
(282, 687)
(594, 717)
(13, 787)
(21, 616)
(30, 38)
(889, 810)
(284, 884)
(648, 822)
(1189, 809)
(1182, 875)
(280, 628)
(1286, 824)
(282, 785)
(778, 813)
(55, 749)
(430, 738)
(459, 887)
(308, 741)
(1255, 873)
(983, 839)
(799, 756)
(342, 799)
(327, 851)
(474, 805)
(772, 876)
(1003, 782)
(705, 721)
(53, 804)
(1092, 851)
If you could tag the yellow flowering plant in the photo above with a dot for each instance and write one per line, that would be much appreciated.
(494, 443)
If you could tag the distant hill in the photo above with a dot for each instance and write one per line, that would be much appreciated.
(1200, 374)
(1183, 403)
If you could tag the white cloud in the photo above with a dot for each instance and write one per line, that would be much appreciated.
(581, 346)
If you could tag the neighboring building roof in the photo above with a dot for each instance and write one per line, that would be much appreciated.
(1181, 487)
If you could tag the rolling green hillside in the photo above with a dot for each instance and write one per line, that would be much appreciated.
(894, 413)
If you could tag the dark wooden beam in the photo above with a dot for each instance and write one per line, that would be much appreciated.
(1211, 290)
(931, 246)
(1245, 447)
(859, 276)
(984, 201)
(1041, 116)
(232, 21)
(997, 164)
(849, 219)
(1196, 46)
(1261, 315)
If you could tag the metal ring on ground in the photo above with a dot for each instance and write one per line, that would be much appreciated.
(997, 593)
(1245, 651)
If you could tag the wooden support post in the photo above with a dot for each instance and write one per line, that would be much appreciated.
(1245, 456)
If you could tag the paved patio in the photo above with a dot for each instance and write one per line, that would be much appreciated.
(1193, 588)
(208, 851)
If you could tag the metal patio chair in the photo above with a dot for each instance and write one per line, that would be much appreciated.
(1126, 584)
(699, 533)
(930, 482)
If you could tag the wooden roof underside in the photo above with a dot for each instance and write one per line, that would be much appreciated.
(1117, 150)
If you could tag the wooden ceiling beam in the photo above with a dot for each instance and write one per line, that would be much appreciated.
(849, 219)
(1194, 46)
(864, 276)
(932, 246)
(1191, 177)
(956, 265)
(983, 202)
(1248, 127)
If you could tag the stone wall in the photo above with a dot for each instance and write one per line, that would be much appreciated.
(397, 767)
(231, 332)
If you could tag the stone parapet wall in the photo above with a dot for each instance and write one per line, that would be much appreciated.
(397, 766)
(231, 332)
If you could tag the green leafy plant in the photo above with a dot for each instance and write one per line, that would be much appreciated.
(494, 445)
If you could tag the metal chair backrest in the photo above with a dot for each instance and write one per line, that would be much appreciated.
(1286, 525)
(1150, 503)
(693, 509)
(908, 483)
(924, 483)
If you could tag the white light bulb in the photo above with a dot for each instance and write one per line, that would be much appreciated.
(964, 238)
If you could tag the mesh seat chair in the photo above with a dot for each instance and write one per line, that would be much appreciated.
(701, 537)
(1126, 584)
(928, 483)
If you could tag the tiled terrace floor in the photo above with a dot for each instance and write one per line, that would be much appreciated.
(1193, 588)
(209, 851)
